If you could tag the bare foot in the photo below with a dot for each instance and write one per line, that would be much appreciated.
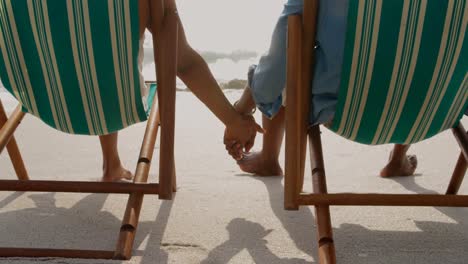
(116, 174)
(404, 167)
(255, 163)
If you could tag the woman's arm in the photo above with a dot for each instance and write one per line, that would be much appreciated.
(195, 73)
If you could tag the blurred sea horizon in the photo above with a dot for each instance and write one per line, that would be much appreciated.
(228, 68)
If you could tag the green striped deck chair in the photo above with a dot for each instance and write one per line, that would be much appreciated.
(74, 64)
(53, 60)
(404, 80)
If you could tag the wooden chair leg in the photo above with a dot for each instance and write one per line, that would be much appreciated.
(460, 169)
(17, 160)
(458, 175)
(167, 79)
(135, 200)
(308, 38)
(293, 173)
(462, 138)
(166, 158)
(326, 244)
(13, 150)
(301, 38)
(174, 179)
(165, 45)
(174, 176)
(7, 130)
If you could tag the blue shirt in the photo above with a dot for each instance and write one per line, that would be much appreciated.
(267, 80)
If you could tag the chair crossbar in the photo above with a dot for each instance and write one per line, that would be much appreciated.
(78, 187)
(372, 199)
(55, 253)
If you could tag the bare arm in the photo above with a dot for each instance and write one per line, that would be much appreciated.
(195, 73)
(246, 103)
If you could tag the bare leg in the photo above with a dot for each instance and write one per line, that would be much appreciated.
(266, 162)
(112, 166)
(400, 164)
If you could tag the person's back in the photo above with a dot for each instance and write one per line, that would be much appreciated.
(267, 84)
(267, 80)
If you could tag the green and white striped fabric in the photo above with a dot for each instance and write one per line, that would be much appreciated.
(405, 71)
(73, 63)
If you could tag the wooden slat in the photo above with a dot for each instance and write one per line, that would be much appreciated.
(167, 82)
(326, 248)
(13, 150)
(319, 182)
(293, 117)
(164, 25)
(309, 35)
(17, 160)
(54, 253)
(457, 176)
(77, 187)
(7, 130)
(462, 139)
(349, 199)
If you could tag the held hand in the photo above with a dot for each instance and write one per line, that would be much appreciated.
(234, 149)
(240, 136)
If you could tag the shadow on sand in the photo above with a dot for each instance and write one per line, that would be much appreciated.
(435, 242)
(85, 225)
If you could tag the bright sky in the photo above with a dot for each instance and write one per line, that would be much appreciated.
(227, 25)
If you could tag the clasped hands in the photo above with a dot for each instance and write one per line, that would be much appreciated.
(240, 138)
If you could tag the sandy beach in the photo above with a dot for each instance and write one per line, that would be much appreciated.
(221, 215)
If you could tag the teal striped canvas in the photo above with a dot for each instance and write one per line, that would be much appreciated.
(405, 70)
(73, 63)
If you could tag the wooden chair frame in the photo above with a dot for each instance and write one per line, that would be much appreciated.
(164, 24)
(301, 39)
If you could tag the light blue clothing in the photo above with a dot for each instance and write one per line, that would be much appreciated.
(268, 79)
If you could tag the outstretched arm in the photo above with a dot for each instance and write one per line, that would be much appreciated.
(195, 73)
